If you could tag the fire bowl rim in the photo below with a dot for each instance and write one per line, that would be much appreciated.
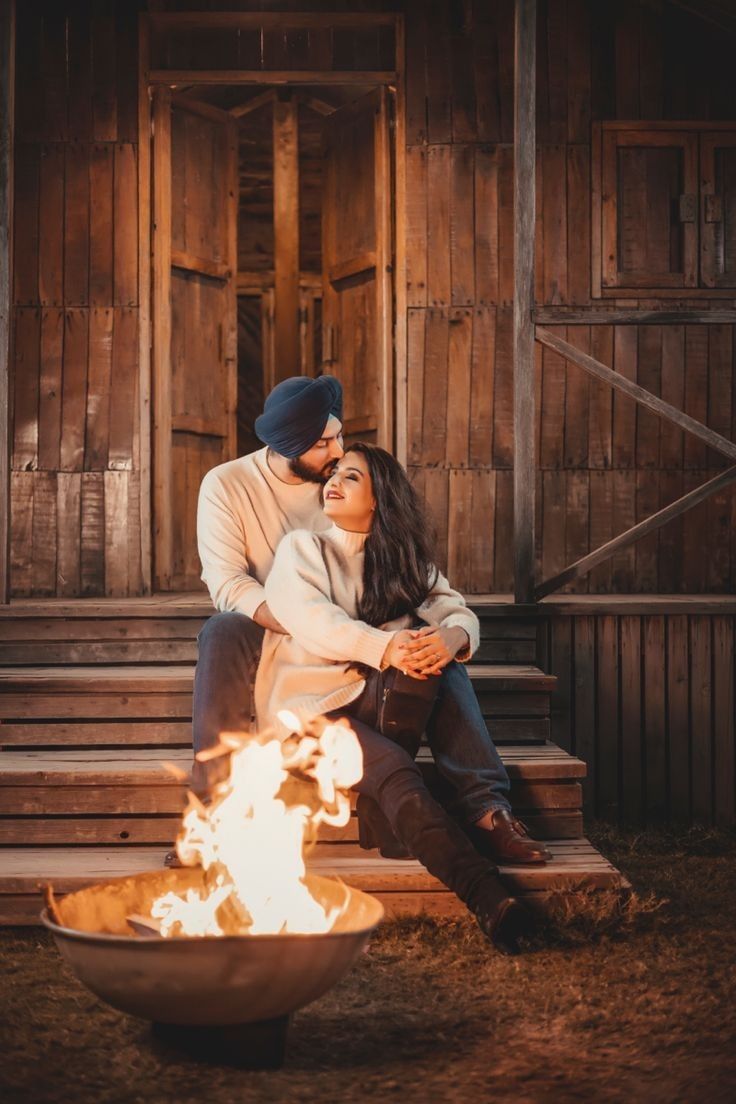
(137, 941)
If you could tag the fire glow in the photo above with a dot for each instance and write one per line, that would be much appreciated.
(250, 841)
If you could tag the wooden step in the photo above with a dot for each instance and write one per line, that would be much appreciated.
(514, 700)
(163, 630)
(403, 886)
(129, 797)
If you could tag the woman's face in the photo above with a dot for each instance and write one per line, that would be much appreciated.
(348, 494)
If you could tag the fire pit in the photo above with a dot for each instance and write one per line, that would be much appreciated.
(220, 952)
(224, 997)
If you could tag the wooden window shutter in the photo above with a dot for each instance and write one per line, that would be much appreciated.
(648, 208)
(718, 209)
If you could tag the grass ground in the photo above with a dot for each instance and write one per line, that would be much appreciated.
(635, 1004)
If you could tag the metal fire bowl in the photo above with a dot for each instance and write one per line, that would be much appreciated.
(208, 980)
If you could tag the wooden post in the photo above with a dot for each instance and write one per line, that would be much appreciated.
(286, 235)
(524, 220)
(7, 110)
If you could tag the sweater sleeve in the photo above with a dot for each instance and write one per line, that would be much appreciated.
(223, 551)
(299, 595)
(446, 608)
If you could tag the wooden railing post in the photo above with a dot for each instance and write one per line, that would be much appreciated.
(524, 222)
(7, 86)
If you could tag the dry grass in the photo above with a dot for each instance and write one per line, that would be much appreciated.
(622, 1001)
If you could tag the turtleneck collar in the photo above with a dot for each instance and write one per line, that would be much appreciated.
(351, 543)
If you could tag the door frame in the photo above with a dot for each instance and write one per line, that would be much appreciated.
(148, 79)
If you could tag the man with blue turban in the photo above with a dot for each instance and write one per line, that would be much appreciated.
(245, 507)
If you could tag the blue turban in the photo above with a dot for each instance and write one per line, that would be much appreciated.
(296, 412)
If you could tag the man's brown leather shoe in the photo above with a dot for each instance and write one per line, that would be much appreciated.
(508, 841)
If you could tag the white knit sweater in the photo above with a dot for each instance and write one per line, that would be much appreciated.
(243, 512)
(314, 589)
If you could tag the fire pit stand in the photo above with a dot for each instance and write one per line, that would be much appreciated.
(260, 1045)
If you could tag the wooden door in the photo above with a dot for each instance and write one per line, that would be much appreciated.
(357, 304)
(194, 312)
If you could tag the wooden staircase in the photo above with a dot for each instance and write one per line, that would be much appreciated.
(96, 695)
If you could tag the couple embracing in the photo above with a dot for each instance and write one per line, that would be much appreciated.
(320, 561)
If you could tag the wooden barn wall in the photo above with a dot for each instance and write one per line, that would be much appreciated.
(75, 464)
(603, 464)
(646, 698)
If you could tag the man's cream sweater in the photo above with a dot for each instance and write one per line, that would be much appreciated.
(242, 514)
(314, 589)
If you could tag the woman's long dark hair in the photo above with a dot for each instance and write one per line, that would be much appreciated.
(399, 570)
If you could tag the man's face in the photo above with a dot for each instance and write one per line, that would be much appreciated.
(316, 465)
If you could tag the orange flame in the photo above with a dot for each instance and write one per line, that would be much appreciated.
(251, 843)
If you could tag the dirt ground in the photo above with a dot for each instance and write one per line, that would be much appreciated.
(636, 1005)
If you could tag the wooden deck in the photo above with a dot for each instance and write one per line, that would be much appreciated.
(95, 697)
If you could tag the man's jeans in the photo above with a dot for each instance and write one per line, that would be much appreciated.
(474, 780)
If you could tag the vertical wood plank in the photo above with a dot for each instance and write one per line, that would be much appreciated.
(439, 74)
(104, 72)
(68, 513)
(416, 74)
(92, 549)
(463, 83)
(624, 408)
(21, 544)
(720, 386)
(480, 450)
(121, 445)
(600, 401)
(99, 394)
(51, 226)
(554, 517)
(505, 155)
(25, 219)
(416, 226)
(701, 719)
(696, 390)
(554, 171)
(654, 720)
(554, 378)
(577, 537)
(577, 400)
(503, 391)
(459, 535)
(44, 534)
(436, 489)
(161, 348)
(49, 409)
(74, 389)
(610, 712)
(503, 569)
(482, 534)
(673, 392)
(724, 750)
(623, 563)
(678, 711)
(439, 290)
(577, 224)
(416, 325)
(584, 707)
(562, 667)
(126, 244)
(647, 550)
(116, 533)
(649, 376)
(434, 418)
(76, 224)
(631, 721)
(462, 236)
(101, 225)
(26, 347)
(601, 527)
(458, 386)
(486, 226)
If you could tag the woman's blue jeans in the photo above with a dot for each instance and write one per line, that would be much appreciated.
(473, 778)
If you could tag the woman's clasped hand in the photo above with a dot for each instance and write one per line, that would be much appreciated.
(426, 651)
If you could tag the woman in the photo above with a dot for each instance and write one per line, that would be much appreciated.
(348, 598)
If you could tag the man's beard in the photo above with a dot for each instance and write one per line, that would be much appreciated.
(309, 475)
